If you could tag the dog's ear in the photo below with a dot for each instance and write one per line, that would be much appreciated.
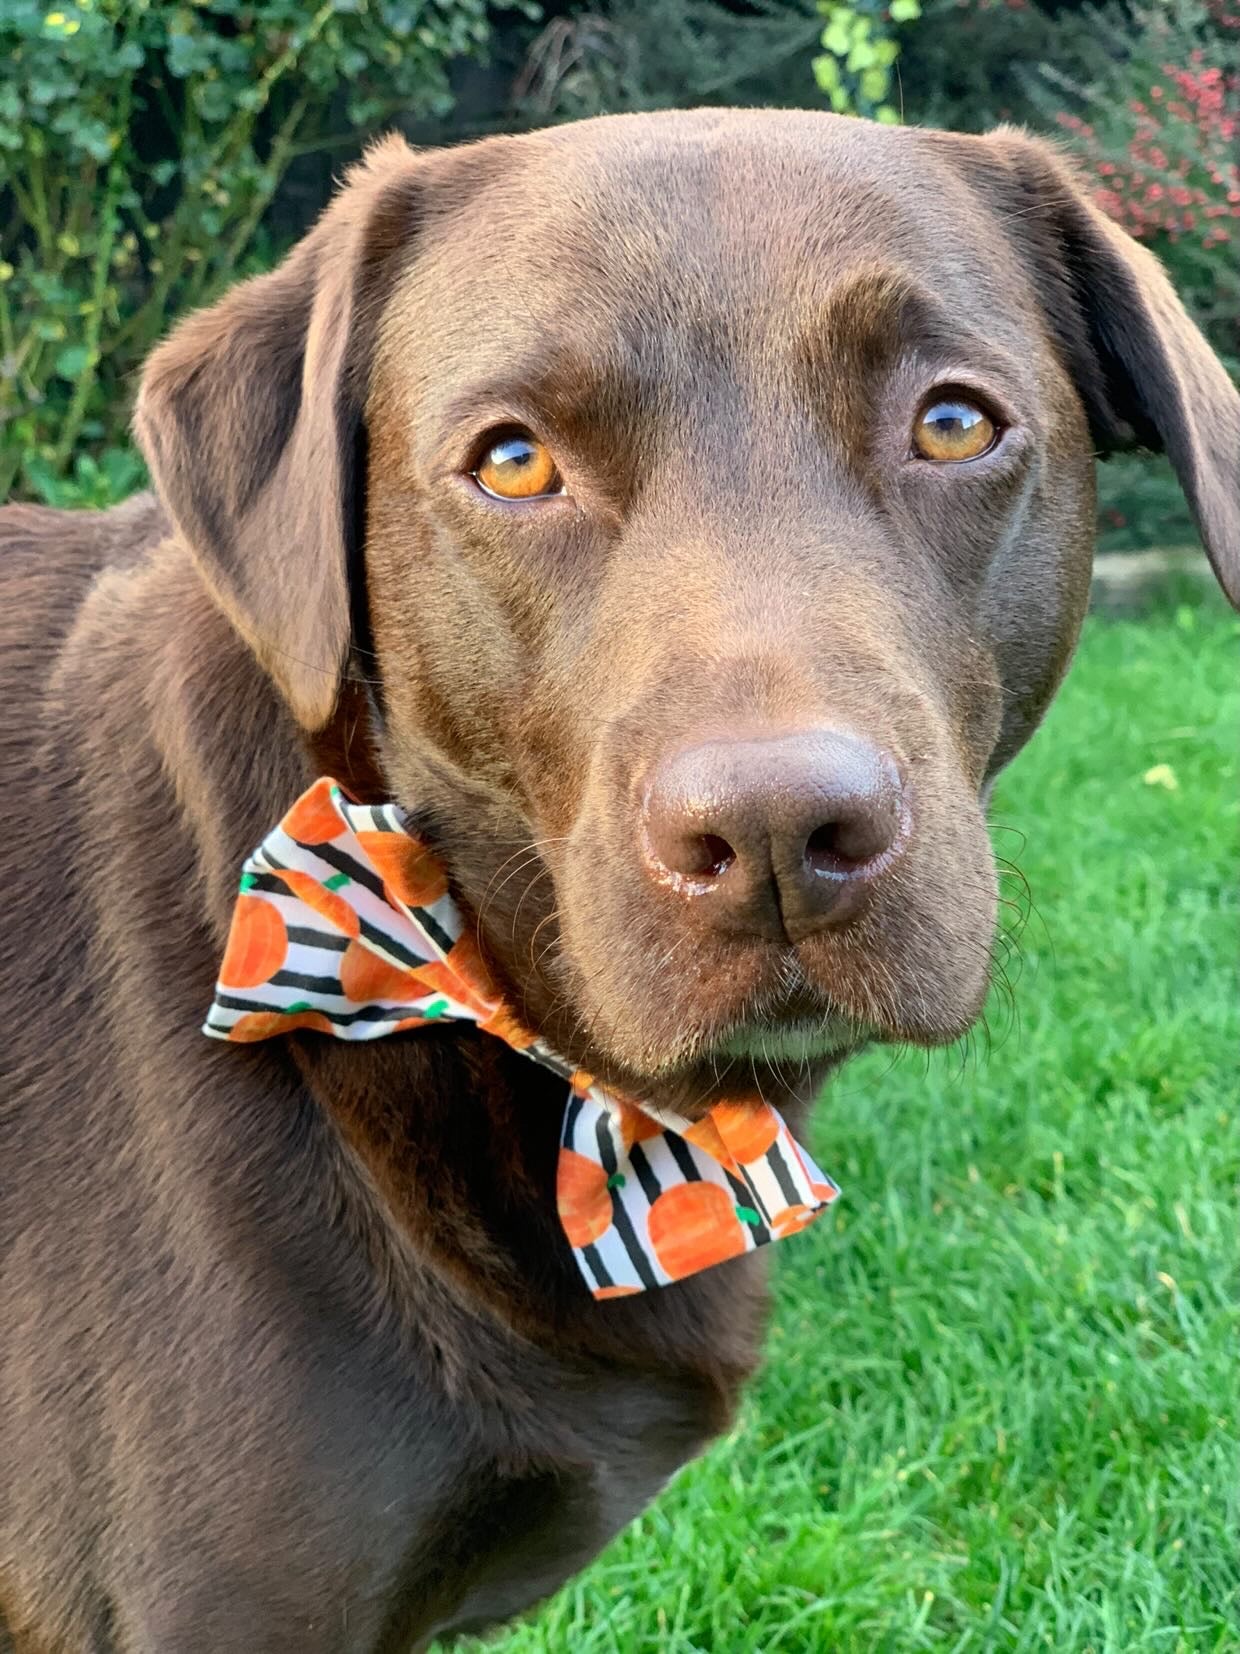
(250, 417)
(1146, 376)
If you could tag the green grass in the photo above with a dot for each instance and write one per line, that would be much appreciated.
(998, 1409)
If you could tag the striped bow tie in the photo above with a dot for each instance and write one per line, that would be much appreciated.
(344, 925)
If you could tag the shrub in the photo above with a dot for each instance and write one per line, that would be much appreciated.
(859, 51)
(967, 65)
(622, 55)
(1151, 112)
(1157, 128)
(141, 143)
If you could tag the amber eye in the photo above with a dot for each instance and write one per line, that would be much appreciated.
(952, 430)
(518, 468)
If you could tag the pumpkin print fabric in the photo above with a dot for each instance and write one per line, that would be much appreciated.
(344, 925)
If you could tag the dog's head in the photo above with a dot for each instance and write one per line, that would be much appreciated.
(708, 500)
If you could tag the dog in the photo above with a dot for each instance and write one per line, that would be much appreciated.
(683, 517)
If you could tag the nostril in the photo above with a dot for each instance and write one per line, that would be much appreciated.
(857, 835)
(824, 851)
(714, 855)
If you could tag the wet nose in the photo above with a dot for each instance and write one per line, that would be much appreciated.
(775, 835)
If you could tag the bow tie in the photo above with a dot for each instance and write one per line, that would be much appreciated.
(344, 925)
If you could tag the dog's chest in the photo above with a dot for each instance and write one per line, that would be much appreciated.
(434, 1532)
(534, 1530)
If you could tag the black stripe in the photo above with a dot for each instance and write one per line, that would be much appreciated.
(598, 1268)
(745, 1196)
(341, 1019)
(680, 1154)
(651, 1187)
(269, 882)
(313, 938)
(433, 928)
(389, 945)
(344, 863)
(624, 1226)
(632, 1245)
(303, 979)
(606, 1149)
(783, 1174)
(571, 1115)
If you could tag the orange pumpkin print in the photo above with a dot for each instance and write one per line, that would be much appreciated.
(692, 1226)
(582, 1198)
(365, 977)
(792, 1219)
(439, 978)
(748, 1128)
(705, 1135)
(325, 903)
(256, 1025)
(314, 819)
(635, 1127)
(408, 869)
(257, 943)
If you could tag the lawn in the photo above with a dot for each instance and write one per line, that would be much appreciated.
(999, 1404)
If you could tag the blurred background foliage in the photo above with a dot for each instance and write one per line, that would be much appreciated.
(152, 151)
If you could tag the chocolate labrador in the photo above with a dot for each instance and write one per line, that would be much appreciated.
(683, 517)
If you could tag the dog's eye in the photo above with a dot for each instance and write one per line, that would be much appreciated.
(951, 430)
(517, 468)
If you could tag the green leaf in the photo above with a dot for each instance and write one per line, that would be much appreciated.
(72, 362)
(826, 73)
(904, 11)
(43, 481)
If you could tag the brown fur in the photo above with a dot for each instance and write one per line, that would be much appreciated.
(294, 1355)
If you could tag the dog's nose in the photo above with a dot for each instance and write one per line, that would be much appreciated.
(775, 835)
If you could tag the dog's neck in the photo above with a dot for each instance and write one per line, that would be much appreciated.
(446, 1140)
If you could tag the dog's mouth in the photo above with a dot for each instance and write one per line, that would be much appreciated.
(795, 1022)
(774, 1051)
(805, 1039)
